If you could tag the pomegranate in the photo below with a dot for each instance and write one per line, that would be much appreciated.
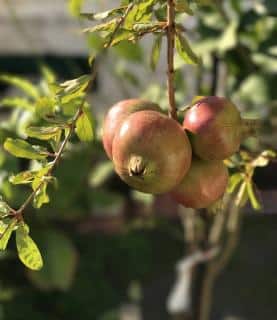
(216, 128)
(205, 183)
(151, 152)
(117, 114)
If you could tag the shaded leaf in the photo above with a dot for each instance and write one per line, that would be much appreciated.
(27, 249)
(183, 6)
(44, 106)
(185, 51)
(22, 84)
(60, 261)
(101, 173)
(23, 149)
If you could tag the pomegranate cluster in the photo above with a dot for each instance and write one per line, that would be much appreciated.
(155, 154)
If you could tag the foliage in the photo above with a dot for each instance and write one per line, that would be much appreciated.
(46, 115)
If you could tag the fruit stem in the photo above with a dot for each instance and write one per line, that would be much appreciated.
(250, 127)
(170, 58)
(136, 166)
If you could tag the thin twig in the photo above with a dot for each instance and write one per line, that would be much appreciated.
(170, 58)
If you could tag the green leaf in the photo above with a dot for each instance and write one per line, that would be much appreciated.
(229, 37)
(5, 236)
(60, 262)
(23, 177)
(106, 26)
(45, 106)
(121, 35)
(73, 89)
(234, 181)
(156, 52)
(84, 126)
(4, 209)
(105, 14)
(43, 133)
(41, 197)
(16, 102)
(75, 7)
(140, 12)
(22, 149)
(101, 173)
(21, 83)
(184, 50)
(28, 251)
(183, 6)
(252, 197)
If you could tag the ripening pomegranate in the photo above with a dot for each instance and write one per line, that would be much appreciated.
(151, 152)
(205, 183)
(216, 128)
(117, 114)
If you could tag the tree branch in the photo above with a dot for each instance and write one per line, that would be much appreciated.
(170, 58)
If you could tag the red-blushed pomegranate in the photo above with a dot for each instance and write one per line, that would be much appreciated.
(117, 114)
(151, 152)
(216, 128)
(205, 183)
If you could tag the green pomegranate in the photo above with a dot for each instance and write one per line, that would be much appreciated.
(216, 128)
(151, 152)
(205, 183)
(117, 114)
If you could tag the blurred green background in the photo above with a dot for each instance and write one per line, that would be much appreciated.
(108, 249)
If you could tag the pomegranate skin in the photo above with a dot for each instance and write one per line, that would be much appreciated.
(117, 114)
(205, 183)
(151, 152)
(216, 127)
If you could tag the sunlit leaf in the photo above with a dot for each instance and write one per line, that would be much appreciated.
(185, 51)
(23, 149)
(229, 37)
(24, 177)
(252, 197)
(17, 102)
(84, 126)
(41, 197)
(5, 236)
(21, 83)
(75, 6)
(43, 133)
(105, 14)
(27, 249)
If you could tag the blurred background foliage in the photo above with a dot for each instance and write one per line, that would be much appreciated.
(99, 238)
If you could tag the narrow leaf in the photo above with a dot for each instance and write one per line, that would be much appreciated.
(21, 83)
(156, 52)
(252, 197)
(185, 51)
(105, 14)
(5, 236)
(23, 149)
(23, 177)
(28, 251)
(16, 102)
(75, 6)
(41, 197)
(183, 6)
